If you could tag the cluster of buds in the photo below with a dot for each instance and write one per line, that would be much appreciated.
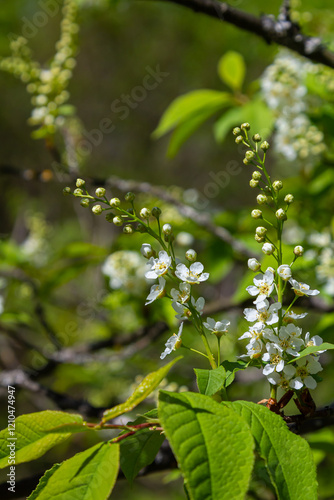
(47, 86)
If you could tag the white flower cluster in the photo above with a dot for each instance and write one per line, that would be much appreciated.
(47, 85)
(125, 270)
(285, 92)
(275, 338)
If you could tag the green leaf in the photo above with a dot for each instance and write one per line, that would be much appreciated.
(210, 381)
(150, 382)
(36, 433)
(188, 106)
(288, 457)
(255, 112)
(232, 69)
(182, 133)
(138, 451)
(213, 448)
(312, 349)
(231, 368)
(89, 475)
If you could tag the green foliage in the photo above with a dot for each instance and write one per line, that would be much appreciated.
(36, 433)
(213, 448)
(89, 475)
(287, 456)
(150, 382)
(314, 349)
(232, 70)
(210, 381)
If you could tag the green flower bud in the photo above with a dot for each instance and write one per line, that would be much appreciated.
(245, 126)
(280, 214)
(84, 202)
(128, 229)
(129, 196)
(253, 183)
(78, 192)
(97, 209)
(257, 138)
(115, 202)
(259, 239)
(236, 131)
(256, 214)
(100, 192)
(141, 228)
(261, 230)
(80, 183)
(167, 229)
(256, 175)
(277, 185)
(268, 248)
(109, 217)
(239, 139)
(67, 190)
(265, 146)
(249, 155)
(298, 250)
(261, 199)
(191, 255)
(289, 198)
(245, 161)
(118, 221)
(254, 265)
(145, 213)
(156, 212)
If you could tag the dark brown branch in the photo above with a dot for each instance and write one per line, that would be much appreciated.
(279, 31)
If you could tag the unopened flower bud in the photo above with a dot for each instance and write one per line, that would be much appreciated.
(78, 192)
(67, 190)
(239, 139)
(147, 251)
(145, 213)
(80, 183)
(97, 209)
(268, 248)
(256, 175)
(128, 229)
(129, 196)
(261, 231)
(109, 217)
(253, 183)
(245, 161)
(261, 199)
(284, 271)
(115, 202)
(280, 214)
(245, 126)
(191, 255)
(156, 212)
(84, 202)
(259, 239)
(249, 155)
(236, 130)
(265, 146)
(100, 192)
(257, 138)
(277, 185)
(298, 250)
(141, 228)
(289, 198)
(256, 214)
(118, 221)
(254, 265)
(271, 269)
(167, 229)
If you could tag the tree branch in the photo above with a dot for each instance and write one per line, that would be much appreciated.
(281, 31)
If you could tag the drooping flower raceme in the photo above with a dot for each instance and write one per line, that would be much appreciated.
(192, 275)
(172, 343)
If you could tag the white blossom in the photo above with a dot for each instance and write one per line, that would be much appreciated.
(313, 341)
(263, 313)
(182, 295)
(290, 316)
(183, 311)
(254, 333)
(156, 292)
(301, 289)
(172, 343)
(125, 269)
(254, 349)
(159, 266)
(274, 358)
(284, 271)
(288, 339)
(263, 286)
(217, 327)
(300, 374)
(192, 275)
